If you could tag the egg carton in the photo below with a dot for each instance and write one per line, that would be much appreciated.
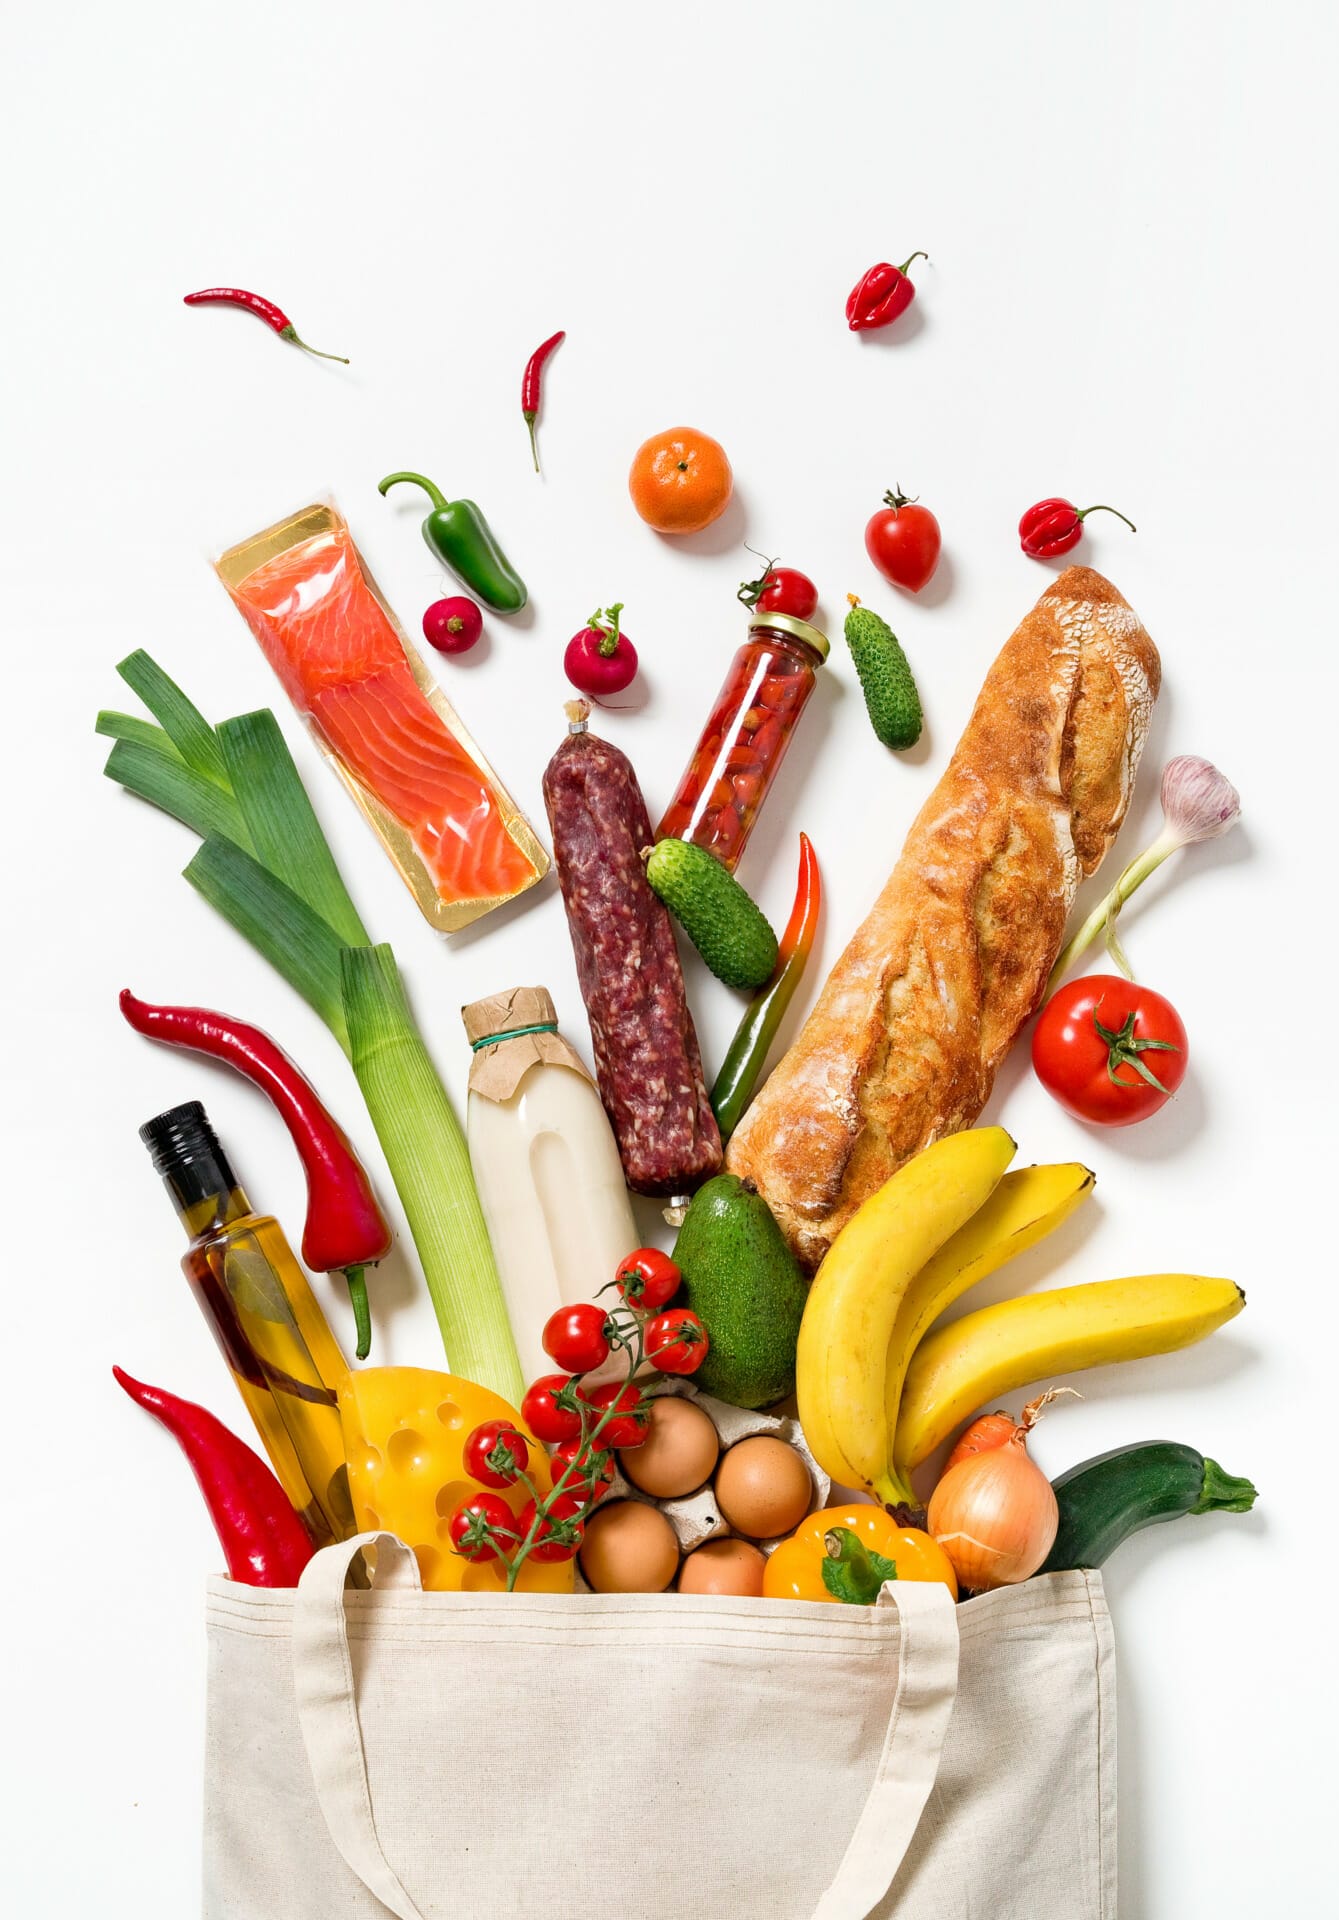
(695, 1517)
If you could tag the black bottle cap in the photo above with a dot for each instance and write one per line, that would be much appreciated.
(185, 1150)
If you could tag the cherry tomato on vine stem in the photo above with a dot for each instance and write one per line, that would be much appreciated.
(594, 1473)
(648, 1279)
(780, 590)
(676, 1341)
(575, 1339)
(496, 1454)
(475, 1520)
(1109, 1051)
(544, 1417)
(628, 1427)
(561, 1530)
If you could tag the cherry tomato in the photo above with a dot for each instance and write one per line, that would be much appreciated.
(575, 1338)
(472, 1524)
(785, 590)
(628, 1427)
(648, 1279)
(541, 1413)
(902, 539)
(1109, 1051)
(676, 1341)
(594, 1469)
(496, 1454)
(561, 1531)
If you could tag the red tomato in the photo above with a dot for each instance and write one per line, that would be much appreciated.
(473, 1523)
(785, 590)
(902, 540)
(496, 1454)
(648, 1278)
(1109, 1051)
(594, 1469)
(676, 1341)
(541, 1413)
(560, 1531)
(575, 1338)
(628, 1427)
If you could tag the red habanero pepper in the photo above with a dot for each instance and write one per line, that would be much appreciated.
(530, 386)
(1054, 526)
(756, 1031)
(264, 1541)
(880, 295)
(263, 309)
(345, 1229)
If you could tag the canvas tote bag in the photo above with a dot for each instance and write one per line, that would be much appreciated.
(656, 1756)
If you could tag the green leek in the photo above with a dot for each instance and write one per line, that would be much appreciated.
(426, 1152)
(265, 866)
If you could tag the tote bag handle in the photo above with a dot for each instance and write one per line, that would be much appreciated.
(927, 1684)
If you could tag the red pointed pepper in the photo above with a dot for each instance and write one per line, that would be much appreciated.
(345, 1229)
(880, 295)
(756, 1031)
(263, 1540)
(264, 309)
(1054, 526)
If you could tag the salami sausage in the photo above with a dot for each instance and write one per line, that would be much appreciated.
(646, 1053)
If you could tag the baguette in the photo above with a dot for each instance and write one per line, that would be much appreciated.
(903, 1044)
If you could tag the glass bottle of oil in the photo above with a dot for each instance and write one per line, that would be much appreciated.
(269, 1327)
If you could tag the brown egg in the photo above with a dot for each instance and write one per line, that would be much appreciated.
(629, 1548)
(679, 1452)
(724, 1566)
(763, 1487)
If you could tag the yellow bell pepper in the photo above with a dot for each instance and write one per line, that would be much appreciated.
(794, 1570)
(405, 1430)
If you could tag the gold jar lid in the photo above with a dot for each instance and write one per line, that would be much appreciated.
(796, 630)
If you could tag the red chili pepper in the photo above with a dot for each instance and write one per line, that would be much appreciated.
(264, 310)
(345, 1229)
(530, 384)
(880, 295)
(1054, 526)
(265, 1542)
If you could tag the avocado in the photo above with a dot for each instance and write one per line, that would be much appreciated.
(725, 926)
(891, 699)
(745, 1285)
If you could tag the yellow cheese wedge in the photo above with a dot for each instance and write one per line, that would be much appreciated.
(405, 1430)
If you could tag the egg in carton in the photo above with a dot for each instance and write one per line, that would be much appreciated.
(695, 1517)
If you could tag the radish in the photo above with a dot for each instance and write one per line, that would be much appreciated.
(452, 626)
(601, 659)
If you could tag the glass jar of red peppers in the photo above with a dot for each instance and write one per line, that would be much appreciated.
(746, 736)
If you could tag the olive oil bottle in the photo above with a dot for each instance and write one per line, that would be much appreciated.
(268, 1324)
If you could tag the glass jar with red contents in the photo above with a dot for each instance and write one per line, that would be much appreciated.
(746, 736)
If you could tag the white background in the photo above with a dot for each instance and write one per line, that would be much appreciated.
(1128, 212)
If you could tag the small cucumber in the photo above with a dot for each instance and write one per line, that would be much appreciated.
(727, 929)
(891, 699)
(1106, 1499)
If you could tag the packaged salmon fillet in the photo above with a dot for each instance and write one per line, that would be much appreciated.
(456, 835)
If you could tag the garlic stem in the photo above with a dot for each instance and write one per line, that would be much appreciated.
(1103, 916)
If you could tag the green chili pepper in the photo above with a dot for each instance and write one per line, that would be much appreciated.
(459, 535)
(757, 1030)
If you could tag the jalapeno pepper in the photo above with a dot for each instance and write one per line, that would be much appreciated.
(459, 535)
(757, 1030)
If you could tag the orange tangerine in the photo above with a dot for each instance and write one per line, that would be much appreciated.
(680, 480)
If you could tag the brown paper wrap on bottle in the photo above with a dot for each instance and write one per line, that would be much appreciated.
(498, 1069)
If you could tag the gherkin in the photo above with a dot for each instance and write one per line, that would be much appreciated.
(720, 919)
(891, 699)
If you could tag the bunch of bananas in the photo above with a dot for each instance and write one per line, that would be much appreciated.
(878, 1392)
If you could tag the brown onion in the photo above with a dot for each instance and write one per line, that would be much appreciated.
(995, 1516)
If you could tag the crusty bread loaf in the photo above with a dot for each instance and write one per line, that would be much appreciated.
(917, 1014)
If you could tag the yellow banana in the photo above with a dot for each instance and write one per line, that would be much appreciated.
(963, 1366)
(1027, 1205)
(841, 1355)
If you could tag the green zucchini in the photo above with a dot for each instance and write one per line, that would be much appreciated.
(1106, 1499)
(720, 919)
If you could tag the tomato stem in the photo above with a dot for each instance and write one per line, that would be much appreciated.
(1123, 1050)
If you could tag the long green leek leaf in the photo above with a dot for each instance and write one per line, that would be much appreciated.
(283, 826)
(278, 924)
(172, 785)
(128, 726)
(430, 1164)
(183, 722)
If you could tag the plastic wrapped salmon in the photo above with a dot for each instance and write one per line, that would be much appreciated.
(457, 837)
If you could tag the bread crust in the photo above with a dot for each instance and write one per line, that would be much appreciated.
(904, 1042)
